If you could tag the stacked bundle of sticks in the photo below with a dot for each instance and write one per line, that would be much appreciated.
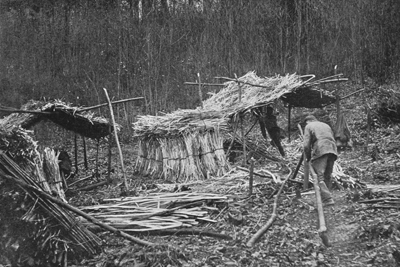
(189, 156)
(343, 180)
(61, 225)
(155, 211)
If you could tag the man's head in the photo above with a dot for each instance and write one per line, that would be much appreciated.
(310, 118)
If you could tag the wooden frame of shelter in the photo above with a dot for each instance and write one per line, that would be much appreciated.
(36, 178)
(24, 170)
(76, 119)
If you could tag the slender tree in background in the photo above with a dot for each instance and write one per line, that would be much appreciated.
(71, 49)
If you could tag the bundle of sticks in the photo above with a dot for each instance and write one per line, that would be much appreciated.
(157, 211)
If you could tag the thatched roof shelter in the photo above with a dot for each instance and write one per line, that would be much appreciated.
(188, 143)
(61, 113)
(256, 91)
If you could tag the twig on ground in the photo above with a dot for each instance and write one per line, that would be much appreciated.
(81, 180)
(93, 186)
(260, 232)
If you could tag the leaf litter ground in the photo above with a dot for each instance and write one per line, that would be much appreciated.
(360, 234)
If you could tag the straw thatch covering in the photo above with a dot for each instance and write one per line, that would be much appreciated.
(61, 113)
(185, 144)
(267, 90)
(257, 91)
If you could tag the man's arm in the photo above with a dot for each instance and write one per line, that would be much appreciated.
(307, 143)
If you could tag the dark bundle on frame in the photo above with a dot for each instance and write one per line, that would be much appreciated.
(342, 133)
(61, 113)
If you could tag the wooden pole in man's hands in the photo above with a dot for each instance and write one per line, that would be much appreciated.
(321, 217)
(317, 189)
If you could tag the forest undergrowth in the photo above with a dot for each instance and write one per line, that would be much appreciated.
(363, 225)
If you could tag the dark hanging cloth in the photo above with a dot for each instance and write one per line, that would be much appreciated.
(268, 123)
(342, 133)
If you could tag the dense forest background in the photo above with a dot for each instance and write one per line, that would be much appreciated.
(72, 49)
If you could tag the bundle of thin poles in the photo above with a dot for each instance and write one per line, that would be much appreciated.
(189, 156)
(155, 211)
(61, 227)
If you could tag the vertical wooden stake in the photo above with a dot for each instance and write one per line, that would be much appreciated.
(84, 153)
(337, 103)
(241, 124)
(369, 121)
(76, 152)
(306, 163)
(109, 157)
(251, 176)
(116, 139)
(244, 140)
(289, 111)
(97, 158)
(200, 91)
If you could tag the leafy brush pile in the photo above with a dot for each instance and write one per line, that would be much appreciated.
(388, 103)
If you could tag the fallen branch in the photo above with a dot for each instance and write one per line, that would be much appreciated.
(370, 201)
(383, 188)
(346, 96)
(270, 176)
(385, 207)
(260, 232)
(93, 186)
(80, 180)
(256, 173)
(190, 231)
